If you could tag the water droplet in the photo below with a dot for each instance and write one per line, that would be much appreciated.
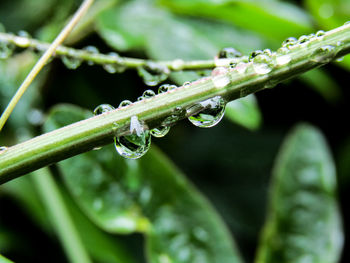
(136, 144)
(116, 67)
(324, 54)
(186, 84)
(71, 62)
(254, 54)
(229, 52)
(207, 113)
(171, 120)
(177, 64)
(3, 149)
(148, 93)
(124, 103)
(160, 131)
(6, 49)
(241, 67)
(320, 33)
(283, 60)
(92, 50)
(153, 73)
(165, 88)
(267, 52)
(289, 42)
(282, 50)
(219, 79)
(303, 39)
(262, 64)
(103, 108)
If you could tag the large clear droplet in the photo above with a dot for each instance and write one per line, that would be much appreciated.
(71, 62)
(153, 73)
(136, 144)
(160, 131)
(207, 113)
(103, 108)
(6, 49)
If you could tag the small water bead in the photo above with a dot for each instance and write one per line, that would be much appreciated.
(24, 40)
(229, 52)
(148, 93)
(153, 73)
(103, 108)
(124, 103)
(207, 113)
(267, 52)
(254, 54)
(136, 144)
(320, 33)
(71, 62)
(160, 131)
(241, 67)
(165, 88)
(262, 64)
(117, 66)
(303, 39)
(324, 54)
(289, 42)
(186, 84)
(6, 49)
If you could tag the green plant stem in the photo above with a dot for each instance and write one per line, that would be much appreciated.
(100, 130)
(59, 216)
(43, 60)
(126, 62)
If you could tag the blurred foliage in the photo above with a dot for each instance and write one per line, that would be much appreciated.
(230, 164)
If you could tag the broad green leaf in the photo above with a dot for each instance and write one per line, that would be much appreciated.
(244, 111)
(148, 195)
(4, 260)
(322, 83)
(303, 223)
(273, 19)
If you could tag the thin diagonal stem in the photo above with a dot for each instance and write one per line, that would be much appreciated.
(240, 81)
(43, 60)
(126, 62)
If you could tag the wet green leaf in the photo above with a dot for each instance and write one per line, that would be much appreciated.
(148, 195)
(273, 19)
(244, 111)
(303, 223)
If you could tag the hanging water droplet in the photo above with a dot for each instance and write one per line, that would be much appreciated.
(153, 73)
(102, 109)
(254, 54)
(262, 64)
(160, 131)
(289, 42)
(229, 52)
(165, 88)
(171, 120)
(324, 54)
(3, 149)
(207, 113)
(116, 67)
(71, 62)
(6, 49)
(91, 50)
(124, 103)
(136, 144)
